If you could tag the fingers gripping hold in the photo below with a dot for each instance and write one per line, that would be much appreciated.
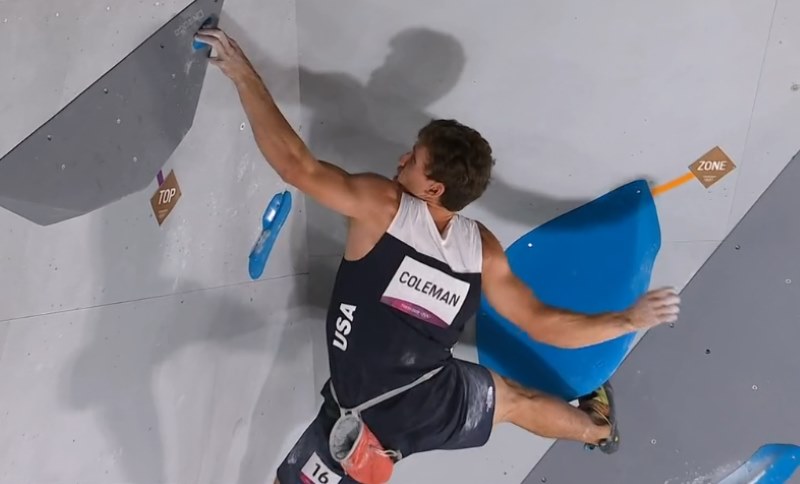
(663, 294)
(218, 40)
(226, 53)
(209, 40)
(657, 307)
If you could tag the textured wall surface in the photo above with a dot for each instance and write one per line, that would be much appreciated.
(735, 344)
(133, 352)
(577, 98)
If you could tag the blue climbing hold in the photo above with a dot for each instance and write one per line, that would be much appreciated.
(210, 22)
(770, 464)
(593, 259)
(271, 223)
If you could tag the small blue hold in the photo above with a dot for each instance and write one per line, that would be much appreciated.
(274, 217)
(210, 22)
(770, 464)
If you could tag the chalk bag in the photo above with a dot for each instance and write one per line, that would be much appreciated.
(359, 452)
(353, 445)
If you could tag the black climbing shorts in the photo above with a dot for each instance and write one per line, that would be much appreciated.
(453, 410)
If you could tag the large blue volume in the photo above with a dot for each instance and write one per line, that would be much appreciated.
(596, 258)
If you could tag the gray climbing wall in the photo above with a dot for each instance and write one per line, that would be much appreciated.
(697, 400)
(137, 352)
(132, 351)
(135, 116)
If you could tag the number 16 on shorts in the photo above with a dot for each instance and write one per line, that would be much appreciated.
(316, 472)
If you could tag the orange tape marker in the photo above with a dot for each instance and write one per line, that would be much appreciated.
(665, 187)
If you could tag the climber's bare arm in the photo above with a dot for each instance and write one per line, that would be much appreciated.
(515, 301)
(357, 196)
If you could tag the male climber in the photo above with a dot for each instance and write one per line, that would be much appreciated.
(411, 276)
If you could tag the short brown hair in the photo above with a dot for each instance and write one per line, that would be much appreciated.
(460, 159)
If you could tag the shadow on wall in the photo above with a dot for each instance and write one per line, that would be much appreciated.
(271, 425)
(368, 126)
(118, 374)
(361, 127)
(115, 373)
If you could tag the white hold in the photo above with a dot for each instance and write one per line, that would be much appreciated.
(174, 76)
(57, 14)
(108, 8)
(135, 159)
(63, 166)
(119, 121)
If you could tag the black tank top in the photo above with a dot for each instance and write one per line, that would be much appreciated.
(396, 313)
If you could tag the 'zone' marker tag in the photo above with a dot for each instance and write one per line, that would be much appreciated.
(712, 166)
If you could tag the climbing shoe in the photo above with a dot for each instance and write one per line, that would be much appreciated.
(600, 406)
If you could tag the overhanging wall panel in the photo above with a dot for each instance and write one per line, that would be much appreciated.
(723, 382)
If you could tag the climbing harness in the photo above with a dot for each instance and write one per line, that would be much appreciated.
(354, 446)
